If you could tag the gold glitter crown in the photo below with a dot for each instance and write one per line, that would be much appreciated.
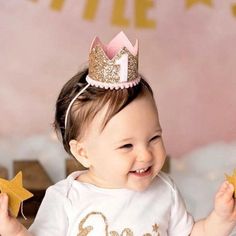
(114, 65)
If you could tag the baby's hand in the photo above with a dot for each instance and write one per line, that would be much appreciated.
(9, 226)
(225, 203)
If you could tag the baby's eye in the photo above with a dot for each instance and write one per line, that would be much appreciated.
(127, 146)
(155, 137)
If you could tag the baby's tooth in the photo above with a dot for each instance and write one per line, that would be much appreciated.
(141, 170)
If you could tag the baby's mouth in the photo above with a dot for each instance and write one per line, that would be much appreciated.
(142, 172)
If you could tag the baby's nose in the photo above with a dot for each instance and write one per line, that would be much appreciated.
(144, 155)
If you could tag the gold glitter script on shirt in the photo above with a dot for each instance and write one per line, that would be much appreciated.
(85, 230)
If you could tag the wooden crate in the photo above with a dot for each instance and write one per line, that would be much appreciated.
(166, 166)
(3, 172)
(73, 165)
(36, 180)
(26, 222)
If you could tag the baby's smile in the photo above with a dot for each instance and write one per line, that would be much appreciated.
(142, 172)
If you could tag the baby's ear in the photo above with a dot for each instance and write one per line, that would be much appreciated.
(79, 152)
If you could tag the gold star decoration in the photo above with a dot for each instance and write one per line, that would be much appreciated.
(57, 4)
(234, 9)
(155, 228)
(15, 191)
(190, 3)
(232, 180)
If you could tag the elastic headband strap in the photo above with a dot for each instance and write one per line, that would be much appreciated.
(72, 101)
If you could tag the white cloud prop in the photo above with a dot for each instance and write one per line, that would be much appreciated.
(44, 148)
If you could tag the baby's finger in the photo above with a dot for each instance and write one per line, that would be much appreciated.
(3, 204)
(226, 191)
(222, 188)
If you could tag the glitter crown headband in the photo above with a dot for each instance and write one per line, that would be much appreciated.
(111, 66)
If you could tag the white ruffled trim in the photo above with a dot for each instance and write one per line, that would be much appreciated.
(119, 85)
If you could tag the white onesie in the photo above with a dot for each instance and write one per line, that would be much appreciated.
(73, 208)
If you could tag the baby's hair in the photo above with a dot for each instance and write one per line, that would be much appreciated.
(88, 104)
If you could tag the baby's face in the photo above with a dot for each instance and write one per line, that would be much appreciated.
(130, 141)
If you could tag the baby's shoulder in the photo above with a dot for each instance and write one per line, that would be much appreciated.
(61, 188)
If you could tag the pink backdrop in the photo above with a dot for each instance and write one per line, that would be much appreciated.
(187, 54)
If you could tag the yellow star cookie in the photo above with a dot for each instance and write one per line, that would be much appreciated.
(232, 180)
(15, 191)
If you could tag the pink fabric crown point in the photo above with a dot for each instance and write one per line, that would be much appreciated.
(116, 44)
